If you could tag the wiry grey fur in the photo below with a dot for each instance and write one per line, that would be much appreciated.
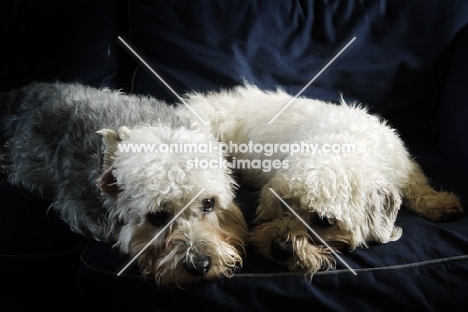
(61, 151)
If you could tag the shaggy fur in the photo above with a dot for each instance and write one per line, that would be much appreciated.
(348, 198)
(61, 141)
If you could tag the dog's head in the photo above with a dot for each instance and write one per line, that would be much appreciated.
(320, 207)
(173, 192)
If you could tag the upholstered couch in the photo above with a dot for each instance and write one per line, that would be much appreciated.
(408, 63)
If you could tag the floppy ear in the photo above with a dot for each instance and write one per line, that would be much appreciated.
(110, 141)
(108, 183)
(269, 207)
(385, 204)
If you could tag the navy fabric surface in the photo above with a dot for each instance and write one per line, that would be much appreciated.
(377, 290)
(453, 114)
(36, 249)
(35, 230)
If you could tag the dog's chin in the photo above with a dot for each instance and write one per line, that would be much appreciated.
(169, 271)
(178, 262)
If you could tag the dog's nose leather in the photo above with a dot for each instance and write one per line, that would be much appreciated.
(198, 265)
(281, 250)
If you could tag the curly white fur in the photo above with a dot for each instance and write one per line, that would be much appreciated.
(349, 198)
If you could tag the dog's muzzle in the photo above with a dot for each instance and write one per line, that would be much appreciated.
(198, 265)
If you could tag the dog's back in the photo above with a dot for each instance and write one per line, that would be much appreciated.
(49, 140)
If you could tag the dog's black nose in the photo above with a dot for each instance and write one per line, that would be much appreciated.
(281, 250)
(198, 265)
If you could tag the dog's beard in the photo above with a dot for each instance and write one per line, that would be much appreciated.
(170, 260)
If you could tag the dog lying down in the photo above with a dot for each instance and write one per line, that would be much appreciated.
(67, 142)
(342, 171)
(64, 141)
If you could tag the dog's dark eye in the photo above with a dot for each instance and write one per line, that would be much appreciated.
(325, 222)
(158, 218)
(208, 205)
(322, 222)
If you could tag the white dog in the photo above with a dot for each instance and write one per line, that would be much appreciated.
(66, 142)
(344, 171)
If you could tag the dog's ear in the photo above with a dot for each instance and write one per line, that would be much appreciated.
(382, 209)
(110, 141)
(108, 183)
(269, 207)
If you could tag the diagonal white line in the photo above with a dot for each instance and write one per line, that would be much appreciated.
(160, 232)
(310, 82)
(313, 232)
(162, 80)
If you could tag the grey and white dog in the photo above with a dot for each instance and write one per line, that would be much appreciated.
(64, 141)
